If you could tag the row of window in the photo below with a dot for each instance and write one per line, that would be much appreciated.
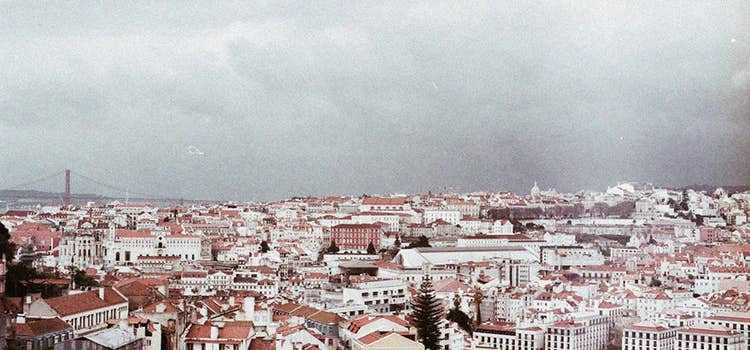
(98, 318)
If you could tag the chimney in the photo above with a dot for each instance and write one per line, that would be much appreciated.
(214, 331)
(248, 305)
(160, 307)
(27, 304)
(21, 318)
(101, 293)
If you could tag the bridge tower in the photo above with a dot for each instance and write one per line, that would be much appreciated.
(66, 196)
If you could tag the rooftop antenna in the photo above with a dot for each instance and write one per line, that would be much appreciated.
(127, 196)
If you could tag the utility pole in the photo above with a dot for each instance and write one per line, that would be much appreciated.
(66, 196)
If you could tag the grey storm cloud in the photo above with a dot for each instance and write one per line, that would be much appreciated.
(308, 98)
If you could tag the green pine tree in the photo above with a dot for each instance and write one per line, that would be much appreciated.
(371, 249)
(427, 310)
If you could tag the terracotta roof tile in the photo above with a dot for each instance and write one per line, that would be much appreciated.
(77, 303)
(38, 326)
(234, 331)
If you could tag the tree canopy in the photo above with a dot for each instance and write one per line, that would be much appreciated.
(7, 248)
(421, 242)
(333, 248)
(82, 280)
(264, 248)
(459, 317)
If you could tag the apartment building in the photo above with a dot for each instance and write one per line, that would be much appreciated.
(648, 336)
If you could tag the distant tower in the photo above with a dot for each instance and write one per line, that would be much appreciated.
(535, 190)
(66, 196)
(426, 268)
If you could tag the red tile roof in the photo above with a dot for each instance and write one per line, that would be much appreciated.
(168, 307)
(77, 303)
(134, 234)
(38, 326)
(232, 331)
(384, 200)
(356, 324)
(647, 327)
(709, 330)
(326, 317)
(261, 344)
(731, 317)
(373, 337)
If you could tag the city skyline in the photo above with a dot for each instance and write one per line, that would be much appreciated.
(242, 101)
(33, 190)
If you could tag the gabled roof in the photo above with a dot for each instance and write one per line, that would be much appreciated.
(356, 324)
(303, 311)
(232, 331)
(326, 317)
(168, 307)
(86, 301)
(261, 344)
(137, 288)
(378, 336)
(39, 326)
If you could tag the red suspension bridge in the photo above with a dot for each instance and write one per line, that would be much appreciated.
(39, 189)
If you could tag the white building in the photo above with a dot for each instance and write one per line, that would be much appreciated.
(384, 204)
(645, 210)
(393, 220)
(648, 336)
(736, 217)
(451, 216)
(85, 312)
(737, 321)
(81, 250)
(417, 257)
(380, 296)
(557, 239)
(502, 227)
(498, 240)
(505, 336)
(584, 333)
(518, 273)
(571, 256)
(125, 246)
(710, 337)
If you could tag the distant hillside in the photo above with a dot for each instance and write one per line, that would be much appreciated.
(41, 194)
(711, 188)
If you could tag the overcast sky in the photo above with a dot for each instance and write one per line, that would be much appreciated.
(269, 100)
